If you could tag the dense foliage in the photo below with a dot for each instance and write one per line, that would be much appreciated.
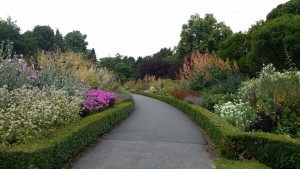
(30, 113)
(43, 37)
(201, 34)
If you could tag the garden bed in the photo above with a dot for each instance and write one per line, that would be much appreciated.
(276, 151)
(65, 143)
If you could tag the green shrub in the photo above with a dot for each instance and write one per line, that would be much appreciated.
(210, 100)
(276, 94)
(28, 113)
(274, 150)
(59, 147)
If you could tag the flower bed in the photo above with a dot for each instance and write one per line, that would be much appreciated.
(63, 144)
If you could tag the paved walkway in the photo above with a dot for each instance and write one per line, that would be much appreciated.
(154, 136)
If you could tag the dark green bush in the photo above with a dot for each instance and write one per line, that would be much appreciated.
(63, 144)
(223, 81)
(274, 150)
(210, 100)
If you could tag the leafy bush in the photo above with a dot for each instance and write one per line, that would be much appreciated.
(223, 81)
(210, 100)
(30, 113)
(239, 114)
(206, 70)
(276, 94)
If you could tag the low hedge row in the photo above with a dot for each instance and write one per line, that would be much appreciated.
(53, 151)
(274, 150)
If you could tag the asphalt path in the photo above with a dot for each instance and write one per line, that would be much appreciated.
(154, 136)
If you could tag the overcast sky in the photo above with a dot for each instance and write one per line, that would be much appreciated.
(131, 27)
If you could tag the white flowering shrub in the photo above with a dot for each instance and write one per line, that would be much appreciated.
(30, 113)
(277, 95)
(239, 114)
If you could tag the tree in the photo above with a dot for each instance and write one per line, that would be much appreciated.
(124, 66)
(76, 41)
(158, 68)
(29, 44)
(44, 36)
(201, 34)
(91, 55)
(290, 7)
(271, 40)
(235, 47)
(10, 31)
(59, 42)
(163, 53)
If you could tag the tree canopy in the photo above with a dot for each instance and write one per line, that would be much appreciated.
(290, 7)
(76, 41)
(273, 40)
(44, 36)
(201, 34)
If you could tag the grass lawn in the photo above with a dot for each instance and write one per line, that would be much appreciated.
(223, 163)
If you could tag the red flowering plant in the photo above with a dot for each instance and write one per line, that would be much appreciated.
(96, 101)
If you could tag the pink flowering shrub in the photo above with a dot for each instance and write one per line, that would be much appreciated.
(96, 100)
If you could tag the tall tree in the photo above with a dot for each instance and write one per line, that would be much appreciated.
(272, 39)
(9, 30)
(44, 36)
(76, 41)
(290, 7)
(201, 34)
(59, 42)
(91, 55)
(236, 47)
(29, 44)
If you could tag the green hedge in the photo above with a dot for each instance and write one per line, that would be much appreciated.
(63, 144)
(274, 150)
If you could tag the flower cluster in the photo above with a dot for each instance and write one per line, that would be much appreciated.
(237, 113)
(29, 113)
(97, 99)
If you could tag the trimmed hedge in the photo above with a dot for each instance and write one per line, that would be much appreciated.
(274, 150)
(53, 151)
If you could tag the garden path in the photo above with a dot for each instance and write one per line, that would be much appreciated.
(154, 136)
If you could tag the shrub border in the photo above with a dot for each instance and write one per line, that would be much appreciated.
(273, 150)
(65, 143)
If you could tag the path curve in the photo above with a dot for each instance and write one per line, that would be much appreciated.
(154, 136)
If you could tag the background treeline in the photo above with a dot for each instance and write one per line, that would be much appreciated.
(44, 38)
(274, 40)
